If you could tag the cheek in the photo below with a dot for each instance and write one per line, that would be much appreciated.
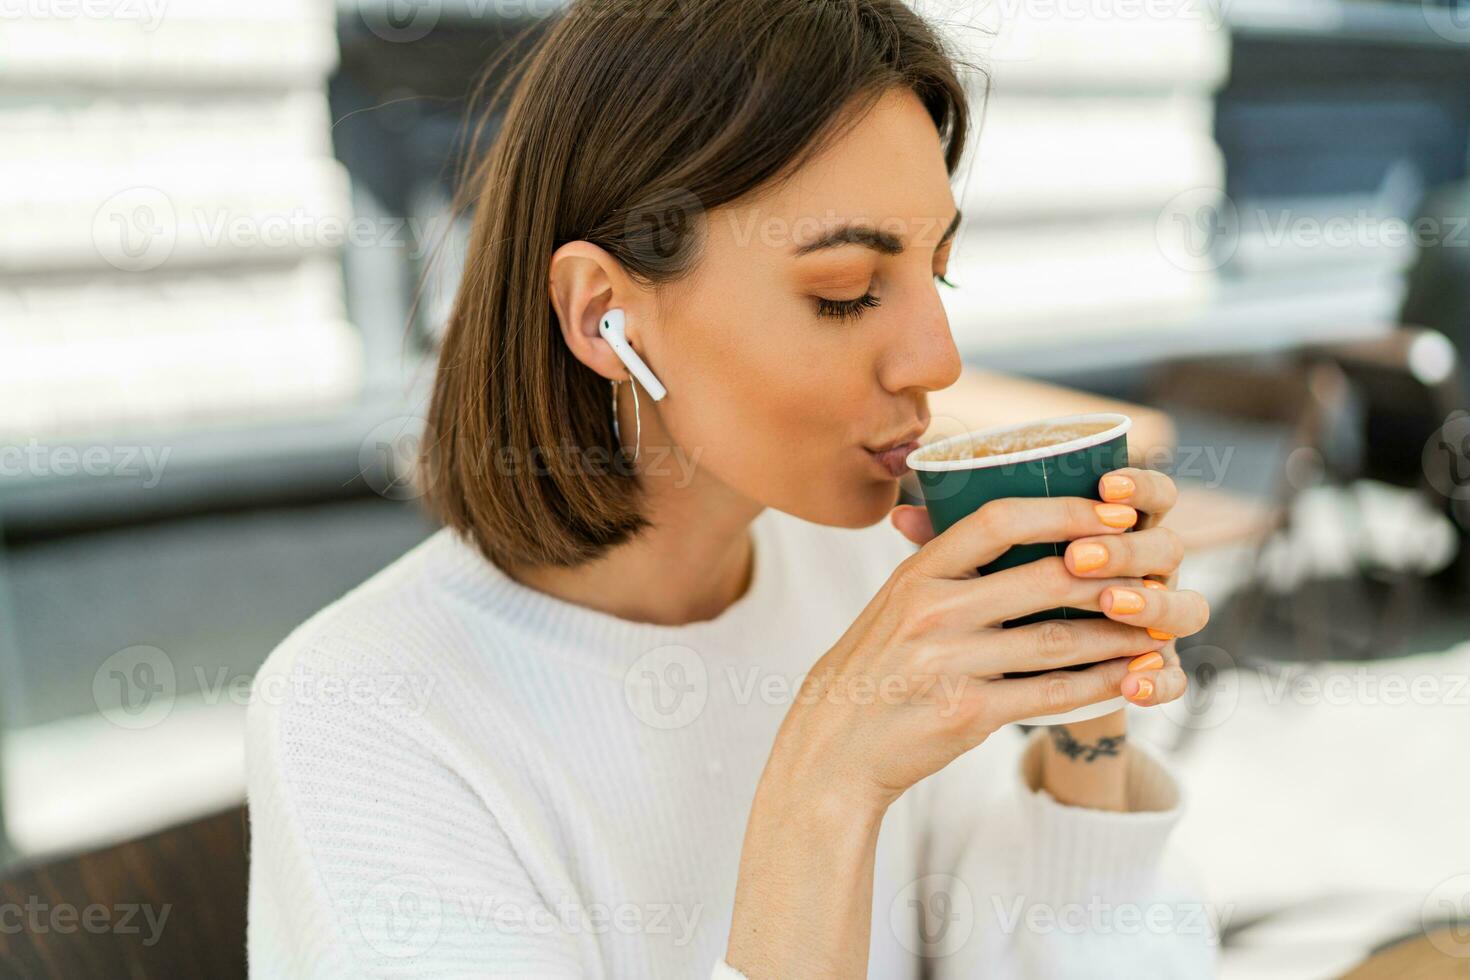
(784, 392)
(754, 405)
(785, 431)
(777, 406)
(767, 376)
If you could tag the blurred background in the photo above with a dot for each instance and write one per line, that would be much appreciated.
(226, 251)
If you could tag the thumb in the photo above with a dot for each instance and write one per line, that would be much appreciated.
(913, 523)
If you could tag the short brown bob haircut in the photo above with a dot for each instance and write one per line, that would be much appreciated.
(626, 122)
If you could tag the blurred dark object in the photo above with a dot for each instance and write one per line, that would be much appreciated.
(1439, 281)
(1306, 403)
(1411, 390)
(89, 916)
(1327, 405)
(403, 125)
(1408, 383)
(399, 108)
(1318, 116)
(1439, 298)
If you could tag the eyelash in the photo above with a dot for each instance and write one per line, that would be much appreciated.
(841, 309)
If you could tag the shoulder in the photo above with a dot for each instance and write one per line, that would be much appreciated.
(368, 667)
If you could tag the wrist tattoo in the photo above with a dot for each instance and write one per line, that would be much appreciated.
(1063, 742)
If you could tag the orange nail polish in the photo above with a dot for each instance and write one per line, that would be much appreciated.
(1116, 487)
(1149, 583)
(1160, 634)
(1145, 690)
(1116, 515)
(1149, 661)
(1125, 601)
(1088, 555)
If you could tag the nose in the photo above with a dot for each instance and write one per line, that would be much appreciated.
(923, 354)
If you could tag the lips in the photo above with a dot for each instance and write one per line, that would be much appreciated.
(890, 455)
(892, 459)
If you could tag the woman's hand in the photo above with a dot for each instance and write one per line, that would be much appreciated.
(916, 681)
(934, 632)
(1085, 763)
(1153, 678)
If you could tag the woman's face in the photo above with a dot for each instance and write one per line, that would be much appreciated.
(787, 358)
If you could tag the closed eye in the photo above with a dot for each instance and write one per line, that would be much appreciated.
(841, 309)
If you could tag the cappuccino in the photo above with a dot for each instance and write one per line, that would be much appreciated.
(1037, 436)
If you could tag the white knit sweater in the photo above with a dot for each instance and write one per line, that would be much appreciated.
(452, 774)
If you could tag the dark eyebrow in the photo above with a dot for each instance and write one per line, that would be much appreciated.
(878, 241)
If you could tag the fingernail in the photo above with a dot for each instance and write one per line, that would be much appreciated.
(1149, 661)
(1160, 634)
(1117, 487)
(1088, 555)
(1124, 601)
(1145, 690)
(1116, 515)
(1149, 583)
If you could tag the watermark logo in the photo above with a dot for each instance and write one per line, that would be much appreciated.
(34, 458)
(1213, 691)
(933, 916)
(147, 14)
(673, 922)
(401, 916)
(1446, 457)
(387, 460)
(1363, 686)
(134, 688)
(401, 21)
(667, 687)
(1450, 21)
(657, 231)
(37, 917)
(1198, 230)
(135, 230)
(1445, 916)
(1099, 917)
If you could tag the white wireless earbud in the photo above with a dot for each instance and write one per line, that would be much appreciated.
(612, 329)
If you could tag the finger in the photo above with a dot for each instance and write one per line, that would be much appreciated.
(1156, 551)
(1018, 698)
(913, 523)
(984, 535)
(1149, 682)
(1150, 491)
(1031, 588)
(1166, 614)
(1055, 644)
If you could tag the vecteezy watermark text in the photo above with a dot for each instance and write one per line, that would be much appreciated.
(36, 916)
(37, 459)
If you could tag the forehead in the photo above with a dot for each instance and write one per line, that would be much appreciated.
(886, 169)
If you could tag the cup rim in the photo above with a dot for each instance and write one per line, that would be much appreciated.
(1123, 424)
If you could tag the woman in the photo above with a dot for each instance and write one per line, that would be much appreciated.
(707, 710)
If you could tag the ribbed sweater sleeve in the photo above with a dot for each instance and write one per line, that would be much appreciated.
(1038, 888)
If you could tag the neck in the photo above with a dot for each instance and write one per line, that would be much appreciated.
(692, 564)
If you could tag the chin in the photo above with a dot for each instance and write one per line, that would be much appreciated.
(862, 503)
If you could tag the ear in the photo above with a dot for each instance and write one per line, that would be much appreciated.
(585, 282)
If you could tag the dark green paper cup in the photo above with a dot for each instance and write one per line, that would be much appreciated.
(953, 489)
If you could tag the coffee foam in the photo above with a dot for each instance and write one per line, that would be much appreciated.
(1016, 441)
